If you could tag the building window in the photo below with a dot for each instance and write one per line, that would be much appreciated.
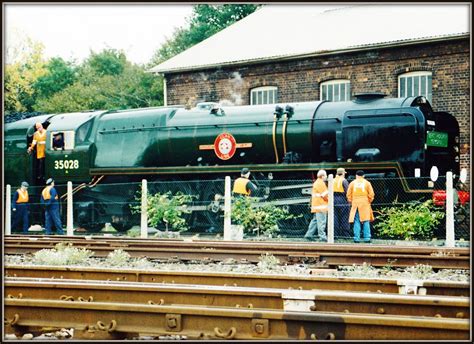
(336, 90)
(415, 84)
(263, 95)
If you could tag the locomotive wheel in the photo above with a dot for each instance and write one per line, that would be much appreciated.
(94, 227)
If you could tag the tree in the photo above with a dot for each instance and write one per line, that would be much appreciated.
(25, 66)
(59, 75)
(106, 80)
(205, 21)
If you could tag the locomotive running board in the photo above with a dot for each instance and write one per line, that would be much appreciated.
(310, 167)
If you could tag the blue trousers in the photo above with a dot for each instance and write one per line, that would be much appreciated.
(318, 222)
(341, 216)
(52, 217)
(366, 228)
(21, 214)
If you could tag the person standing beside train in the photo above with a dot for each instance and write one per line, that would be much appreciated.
(20, 207)
(341, 206)
(243, 186)
(319, 207)
(50, 199)
(39, 141)
(361, 194)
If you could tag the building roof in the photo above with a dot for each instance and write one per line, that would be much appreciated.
(276, 32)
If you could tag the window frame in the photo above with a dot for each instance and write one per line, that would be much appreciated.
(262, 93)
(412, 75)
(329, 85)
(69, 142)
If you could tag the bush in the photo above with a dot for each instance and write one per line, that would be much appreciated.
(258, 218)
(409, 221)
(167, 209)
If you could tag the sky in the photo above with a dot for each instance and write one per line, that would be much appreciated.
(72, 31)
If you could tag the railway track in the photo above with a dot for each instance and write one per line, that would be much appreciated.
(295, 282)
(108, 320)
(330, 255)
(238, 297)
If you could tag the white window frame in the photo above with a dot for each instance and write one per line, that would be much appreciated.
(420, 92)
(336, 83)
(68, 136)
(254, 97)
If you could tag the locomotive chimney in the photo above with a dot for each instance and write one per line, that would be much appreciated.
(369, 96)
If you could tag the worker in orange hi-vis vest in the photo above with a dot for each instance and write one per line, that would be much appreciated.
(243, 186)
(361, 194)
(341, 206)
(39, 141)
(319, 207)
(20, 207)
(50, 199)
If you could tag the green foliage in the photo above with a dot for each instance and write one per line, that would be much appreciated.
(62, 254)
(59, 75)
(205, 21)
(168, 209)
(259, 218)
(120, 85)
(25, 64)
(107, 62)
(409, 221)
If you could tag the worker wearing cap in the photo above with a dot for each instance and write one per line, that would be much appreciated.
(361, 194)
(242, 185)
(20, 207)
(39, 141)
(50, 198)
(341, 207)
(319, 207)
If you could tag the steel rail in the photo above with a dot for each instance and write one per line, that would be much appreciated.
(323, 254)
(281, 281)
(246, 297)
(121, 320)
(244, 245)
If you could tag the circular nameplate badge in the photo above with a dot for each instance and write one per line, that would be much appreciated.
(225, 146)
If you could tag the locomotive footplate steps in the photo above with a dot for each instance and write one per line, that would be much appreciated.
(125, 320)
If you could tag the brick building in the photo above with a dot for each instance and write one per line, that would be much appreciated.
(328, 53)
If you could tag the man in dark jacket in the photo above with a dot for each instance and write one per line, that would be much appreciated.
(20, 207)
(242, 185)
(50, 198)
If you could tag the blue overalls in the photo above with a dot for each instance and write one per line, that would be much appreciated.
(20, 204)
(49, 197)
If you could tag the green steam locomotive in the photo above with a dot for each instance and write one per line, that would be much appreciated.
(398, 138)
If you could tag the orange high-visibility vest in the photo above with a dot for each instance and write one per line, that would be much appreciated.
(240, 186)
(338, 187)
(22, 196)
(319, 203)
(360, 188)
(39, 139)
(47, 194)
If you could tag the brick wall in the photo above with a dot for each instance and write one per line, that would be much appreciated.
(369, 71)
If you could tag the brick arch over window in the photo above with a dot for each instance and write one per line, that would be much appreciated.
(263, 95)
(413, 67)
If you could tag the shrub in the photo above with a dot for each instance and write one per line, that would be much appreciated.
(167, 209)
(409, 221)
(259, 218)
(118, 258)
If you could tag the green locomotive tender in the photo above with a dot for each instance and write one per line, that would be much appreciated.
(398, 137)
